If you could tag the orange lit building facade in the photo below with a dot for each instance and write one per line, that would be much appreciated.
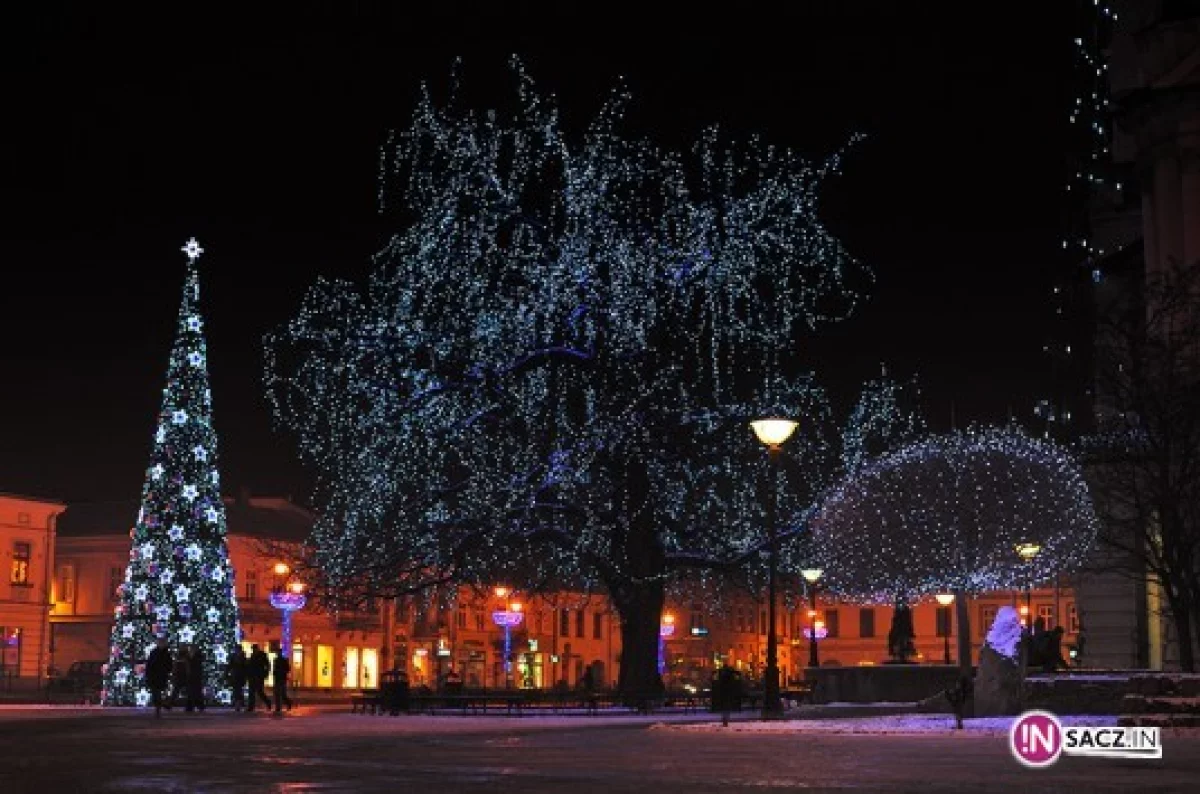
(27, 537)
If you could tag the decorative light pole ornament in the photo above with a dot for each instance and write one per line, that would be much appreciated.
(288, 601)
(506, 619)
(666, 628)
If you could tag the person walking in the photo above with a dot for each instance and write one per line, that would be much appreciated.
(236, 672)
(279, 676)
(158, 674)
(195, 679)
(179, 675)
(257, 668)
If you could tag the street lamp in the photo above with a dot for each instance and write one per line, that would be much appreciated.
(1027, 550)
(287, 599)
(507, 618)
(666, 628)
(946, 599)
(772, 433)
(811, 577)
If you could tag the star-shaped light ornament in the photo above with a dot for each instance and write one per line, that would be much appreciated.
(194, 323)
(218, 574)
(199, 452)
(195, 358)
(213, 614)
(147, 550)
(194, 553)
(187, 634)
(162, 612)
(127, 631)
(166, 576)
(142, 698)
(157, 471)
(225, 696)
(182, 592)
(192, 249)
(179, 417)
(190, 492)
(212, 515)
(121, 676)
(216, 478)
(221, 654)
(141, 592)
(175, 532)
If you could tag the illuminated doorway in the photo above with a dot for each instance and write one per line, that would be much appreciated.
(350, 669)
(370, 667)
(325, 666)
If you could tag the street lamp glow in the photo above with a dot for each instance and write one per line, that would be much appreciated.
(945, 599)
(811, 575)
(773, 432)
(282, 569)
(296, 587)
(501, 592)
(1028, 550)
(516, 606)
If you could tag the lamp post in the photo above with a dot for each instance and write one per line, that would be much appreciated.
(287, 599)
(772, 433)
(1028, 550)
(811, 577)
(946, 599)
(508, 617)
(666, 628)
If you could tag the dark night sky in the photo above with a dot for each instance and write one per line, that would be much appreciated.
(136, 127)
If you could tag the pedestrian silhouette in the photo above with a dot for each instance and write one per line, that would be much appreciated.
(195, 679)
(179, 675)
(279, 676)
(158, 674)
(236, 672)
(257, 668)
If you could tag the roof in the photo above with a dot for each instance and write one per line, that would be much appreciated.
(38, 499)
(260, 517)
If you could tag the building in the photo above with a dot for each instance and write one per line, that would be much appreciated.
(28, 529)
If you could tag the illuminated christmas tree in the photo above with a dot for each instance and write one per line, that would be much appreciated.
(179, 583)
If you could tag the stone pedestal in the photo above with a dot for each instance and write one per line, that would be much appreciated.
(999, 685)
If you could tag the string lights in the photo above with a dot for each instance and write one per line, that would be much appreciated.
(179, 582)
(945, 514)
(550, 373)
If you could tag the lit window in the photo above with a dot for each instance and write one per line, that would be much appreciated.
(20, 563)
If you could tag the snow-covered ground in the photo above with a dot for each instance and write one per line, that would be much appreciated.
(900, 724)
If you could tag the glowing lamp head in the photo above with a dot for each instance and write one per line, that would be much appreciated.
(1027, 550)
(668, 619)
(516, 606)
(501, 592)
(296, 587)
(811, 575)
(1024, 611)
(282, 569)
(773, 432)
(945, 599)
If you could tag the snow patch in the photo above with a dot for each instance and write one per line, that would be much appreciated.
(900, 724)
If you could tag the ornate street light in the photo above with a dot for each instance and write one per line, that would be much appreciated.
(1028, 550)
(287, 600)
(666, 628)
(772, 432)
(506, 618)
(811, 577)
(946, 599)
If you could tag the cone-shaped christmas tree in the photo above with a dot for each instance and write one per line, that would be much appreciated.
(179, 583)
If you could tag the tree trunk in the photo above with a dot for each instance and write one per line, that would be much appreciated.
(966, 672)
(640, 607)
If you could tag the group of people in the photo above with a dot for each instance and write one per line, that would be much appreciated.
(168, 678)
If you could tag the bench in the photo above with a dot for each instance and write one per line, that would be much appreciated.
(367, 699)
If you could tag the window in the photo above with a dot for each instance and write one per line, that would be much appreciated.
(66, 583)
(1045, 613)
(866, 622)
(462, 617)
(251, 585)
(116, 578)
(20, 563)
(564, 623)
(579, 619)
(697, 621)
(943, 622)
(831, 622)
(1072, 618)
(987, 616)
(762, 621)
(597, 626)
(479, 620)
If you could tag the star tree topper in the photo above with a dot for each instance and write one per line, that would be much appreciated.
(192, 249)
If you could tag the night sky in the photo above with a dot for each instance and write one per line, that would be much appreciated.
(133, 127)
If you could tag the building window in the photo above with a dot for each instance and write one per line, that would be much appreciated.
(479, 620)
(1072, 619)
(462, 617)
(116, 578)
(251, 585)
(831, 623)
(987, 616)
(579, 620)
(697, 621)
(597, 625)
(66, 583)
(866, 622)
(1045, 613)
(564, 623)
(942, 622)
(20, 563)
(762, 622)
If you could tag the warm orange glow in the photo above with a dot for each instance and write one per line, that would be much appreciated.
(819, 624)
(945, 599)
(501, 592)
(516, 606)
(282, 569)
(1024, 610)
(812, 613)
(296, 587)
(668, 619)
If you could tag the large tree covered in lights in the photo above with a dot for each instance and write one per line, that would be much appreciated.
(179, 583)
(946, 513)
(548, 379)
